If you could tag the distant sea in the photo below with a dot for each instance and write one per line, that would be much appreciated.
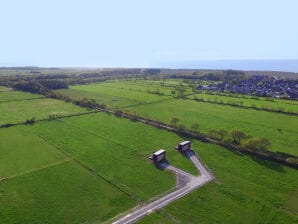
(248, 65)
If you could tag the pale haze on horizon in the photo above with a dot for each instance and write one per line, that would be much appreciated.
(135, 33)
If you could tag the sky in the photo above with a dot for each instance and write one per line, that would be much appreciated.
(145, 33)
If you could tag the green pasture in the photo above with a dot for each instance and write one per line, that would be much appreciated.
(246, 190)
(279, 128)
(4, 88)
(92, 167)
(7, 96)
(261, 103)
(19, 111)
(23, 152)
(64, 193)
(117, 149)
(118, 94)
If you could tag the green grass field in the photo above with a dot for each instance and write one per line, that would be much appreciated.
(7, 96)
(276, 104)
(19, 111)
(4, 89)
(88, 138)
(81, 154)
(18, 147)
(90, 168)
(113, 96)
(247, 190)
(65, 193)
(166, 87)
(279, 128)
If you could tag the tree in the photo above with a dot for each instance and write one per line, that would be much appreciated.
(181, 127)
(222, 133)
(257, 143)
(237, 135)
(212, 132)
(195, 127)
(173, 92)
(30, 121)
(174, 121)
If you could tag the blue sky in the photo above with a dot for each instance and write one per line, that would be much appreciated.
(105, 33)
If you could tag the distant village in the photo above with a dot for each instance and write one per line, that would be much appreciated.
(259, 85)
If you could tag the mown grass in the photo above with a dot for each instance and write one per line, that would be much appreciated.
(261, 103)
(19, 111)
(4, 88)
(65, 193)
(6, 96)
(117, 149)
(280, 129)
(247, 190)
(141, 87)
(22, 152)
(113, 95)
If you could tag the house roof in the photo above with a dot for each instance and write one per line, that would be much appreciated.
(184, 143)
(158, 152)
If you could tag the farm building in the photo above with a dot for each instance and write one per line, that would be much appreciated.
(159, 155)
(184, 146)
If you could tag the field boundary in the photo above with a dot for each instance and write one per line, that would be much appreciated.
(9, 101)
(89, 169)
(8, 125)
(247, 107)
(67, 159)
(282, 158)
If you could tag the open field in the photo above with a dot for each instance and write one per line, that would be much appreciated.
(123, 159)
(19, 111)
(88, 156)
(166, 87)
(281, 129)
(65, 193)
(37, 172)
(261, 103)
(133, 92)
(4, 88)
(248, 190)
(90, 168)
(7, 96)
(18, 147)
(113, 96)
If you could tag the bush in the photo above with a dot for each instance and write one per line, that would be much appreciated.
(259, 144)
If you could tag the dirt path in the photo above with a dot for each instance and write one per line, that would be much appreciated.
(189, 184)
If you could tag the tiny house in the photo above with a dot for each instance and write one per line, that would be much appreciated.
(184, 146)
(159, 155)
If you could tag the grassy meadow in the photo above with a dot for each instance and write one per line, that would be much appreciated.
(122, 159)
(102, 176)
(7, 96)
(4, 89)
(90, 168)
(113, 96)
(279, 128)
(20, 111)
(261, 103)
(246, 190)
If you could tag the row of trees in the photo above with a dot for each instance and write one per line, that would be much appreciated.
(234, 136)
